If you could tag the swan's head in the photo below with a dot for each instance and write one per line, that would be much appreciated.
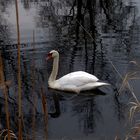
(52, 54)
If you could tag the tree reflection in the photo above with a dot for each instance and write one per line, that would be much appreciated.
(87, 112)
(76, 17)
(4, 4)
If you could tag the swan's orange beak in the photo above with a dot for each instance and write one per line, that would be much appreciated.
(49, 56)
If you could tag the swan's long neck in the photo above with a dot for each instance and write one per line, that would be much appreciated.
(54, 69)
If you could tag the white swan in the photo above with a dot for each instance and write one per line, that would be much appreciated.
(72, 82)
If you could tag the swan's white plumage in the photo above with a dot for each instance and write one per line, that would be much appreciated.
(77, 78)
(75, 81)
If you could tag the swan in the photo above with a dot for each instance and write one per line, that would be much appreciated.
(73, 82)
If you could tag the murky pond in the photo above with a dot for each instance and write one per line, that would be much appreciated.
(109, 50)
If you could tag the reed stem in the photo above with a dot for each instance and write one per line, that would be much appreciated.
(4, 88)
(33, 89)
(19, 76)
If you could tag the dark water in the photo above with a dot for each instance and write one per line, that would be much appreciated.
(101, 116)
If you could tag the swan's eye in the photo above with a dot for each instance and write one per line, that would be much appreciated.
(49, 56)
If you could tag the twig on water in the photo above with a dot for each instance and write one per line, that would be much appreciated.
(85, 30)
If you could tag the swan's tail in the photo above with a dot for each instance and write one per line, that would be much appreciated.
(102, 84)
(99, 84)
(94, 85)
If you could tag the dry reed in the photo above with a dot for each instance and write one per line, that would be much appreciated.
(19, 76)
(135, 105)
(125, 84)
(33, 89)
(134, 133)
(4, 88)
(4, 135)
(117, 138)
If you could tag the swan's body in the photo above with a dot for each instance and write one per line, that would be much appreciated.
(72, 82)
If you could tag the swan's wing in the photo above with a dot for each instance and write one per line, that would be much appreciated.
(78, 78)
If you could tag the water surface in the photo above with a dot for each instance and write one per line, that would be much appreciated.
(101, 115)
